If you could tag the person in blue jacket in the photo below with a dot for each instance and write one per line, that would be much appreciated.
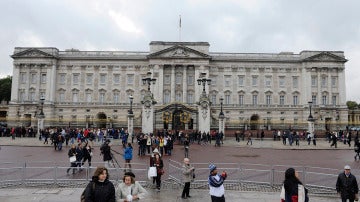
(128, 154)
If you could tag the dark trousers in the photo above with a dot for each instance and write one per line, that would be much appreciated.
(217, 199)
(158, 181)
(186, 190)
(345, 196)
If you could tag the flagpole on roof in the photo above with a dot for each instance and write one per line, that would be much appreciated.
(179, 28)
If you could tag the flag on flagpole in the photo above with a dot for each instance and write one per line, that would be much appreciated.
(180, 21)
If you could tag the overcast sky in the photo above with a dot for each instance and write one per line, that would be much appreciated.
(257, 26)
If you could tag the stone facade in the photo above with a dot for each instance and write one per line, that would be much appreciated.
(260, 90)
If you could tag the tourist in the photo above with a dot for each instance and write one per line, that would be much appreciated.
(128, 154)
(129, 189)
(100, 189)
(72, 158)
(188, 176)
(346, 185)
(157, 162)
(293, 189)
(106, 152)
(216, 184)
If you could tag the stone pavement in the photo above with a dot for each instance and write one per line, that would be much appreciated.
(167, 194)
(69, 195)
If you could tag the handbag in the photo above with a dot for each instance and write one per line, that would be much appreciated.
(72, 159)
(152, 172)
(160, 171)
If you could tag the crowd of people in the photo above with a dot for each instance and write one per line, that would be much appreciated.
(161, 144)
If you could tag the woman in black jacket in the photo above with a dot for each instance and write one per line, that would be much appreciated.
(100, 189)
(72, 152)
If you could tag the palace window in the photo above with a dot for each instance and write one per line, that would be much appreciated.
(334, 82)
(76, 78)
(190, 80)
(116, 97)
(282, 100)
(314, 100)
(324, 100)
(213, 99)
(61, 97)
(268, 99)
(167, 79)
(281, 81)
(254, 99)
(102, 78)
(323, 81)
(295, 100)
(227, 81)
(295, 82)
(254, 81)
(178, 79)
(102, 97)
(43, 78)
(313, 81)
(166, 97)
(23, 77)
(130, 79)
(75, 97)
(89, 79)
(241, 81)
(241, 100)
(33, 78)
(227, 99)
(268, 81)
(334, 98)
(88, 97)
(62, 78)
(116, 79)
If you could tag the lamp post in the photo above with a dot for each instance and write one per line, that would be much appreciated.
(148, 80)
(41, 116)
(131, 98)
(202, 81)
(311, 121)
(131, 119)
(221, 118)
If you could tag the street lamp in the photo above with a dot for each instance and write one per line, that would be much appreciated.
(310, 118)
(131, 98)
(148, 80)
(41, 115)
(202, 81)
(311, 121)
(221, 115)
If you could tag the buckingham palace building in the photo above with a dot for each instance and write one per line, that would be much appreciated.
(178, 86)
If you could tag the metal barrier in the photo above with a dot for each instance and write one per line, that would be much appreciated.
(55, 173)
(241, 176)
(248, 176)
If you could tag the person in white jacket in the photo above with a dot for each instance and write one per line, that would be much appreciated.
(129, 190)
(293, 189)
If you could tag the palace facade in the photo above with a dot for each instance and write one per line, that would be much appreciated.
(259, 90)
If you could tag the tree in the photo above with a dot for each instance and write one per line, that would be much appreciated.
(5, 88)
(351, 105)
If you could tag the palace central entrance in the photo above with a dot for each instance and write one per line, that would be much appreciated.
(176, 117)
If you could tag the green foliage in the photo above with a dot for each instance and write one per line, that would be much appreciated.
(5, 88)
(351, 104)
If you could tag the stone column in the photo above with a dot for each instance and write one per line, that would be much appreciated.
(204, 115)
(222, 125)
(173, 84)
(130, 125)
(148, 119)
(184, 85)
